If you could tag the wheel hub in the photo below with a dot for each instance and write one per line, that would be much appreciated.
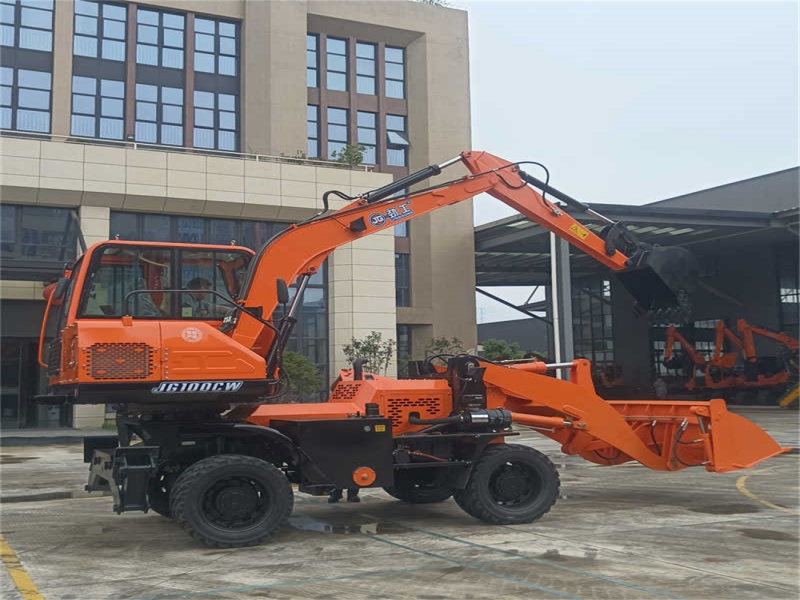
(513, 484)
(235, 503)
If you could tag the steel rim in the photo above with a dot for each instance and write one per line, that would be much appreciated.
(515, 485)
(235, 503)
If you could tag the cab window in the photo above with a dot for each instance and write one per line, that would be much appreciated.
(204, 272)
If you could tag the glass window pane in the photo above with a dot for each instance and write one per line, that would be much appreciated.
(146, 92)
(337, 81)
(84, 85)
(112, 89)
(336, 46)
(367, 136)
(204, 25)
(82, 7)
(311, 42)
(203, 117)
(111, 129)
(203, 41)
(365, 50)
(6, 75)
(227, 46)
(146, 111)
(226, 102)
(113, 50)
(111, 107)
(147, 34)
(337, 63)
(172, 134)
(203, 62)
(394, 71)
(337, 133)
(83, 105)
(172, 58)
(394, 54)
(312, 148)
(172, 95)
(41, 19)
(334, 147)
(370, 156)
(227, 29)
(87, 25)
(111, 11)
(365, 85)
(311, 130)
(337, 115)
(311, 78)
(34, 99)
(33, 79)
(365, 66)
(227, 140)
(227, 65)
(366, 119)
(5, 118)
(311, 112)
(156, 228)
(6, 35)
(114, 29)
(311, 60)
(227, 120)
(172, 114)
(396, 158)
(396, 139)
(82, 126)
(395, 89)
(35, 39)
(84, 46)
(5, 96)
(33, 120)
(204, 99)
(146, 55)
(173, 21)
(7, 14)
(173, 38)
(203, 138)
(395, 122)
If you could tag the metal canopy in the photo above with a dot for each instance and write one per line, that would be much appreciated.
(516, 251)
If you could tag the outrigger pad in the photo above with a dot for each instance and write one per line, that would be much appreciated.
(662, 280)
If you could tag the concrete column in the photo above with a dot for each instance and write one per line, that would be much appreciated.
(63, 25)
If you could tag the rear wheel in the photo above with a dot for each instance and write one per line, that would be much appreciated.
(231, 500)
(510, 484)
(420, 486)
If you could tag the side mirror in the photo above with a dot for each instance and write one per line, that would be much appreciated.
(61, 288)
(283, 291)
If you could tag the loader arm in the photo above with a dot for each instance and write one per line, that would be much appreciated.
(301, 249)
(673, 335)
(722, 334)
(749, 331)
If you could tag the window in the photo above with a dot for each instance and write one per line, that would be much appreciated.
(403, 343)
(159, 115)
(215, 124)
(100, 30)
(401, 230)
(159, 37)
(368, 136)
(37, 233)
(591, 321)
(337, 130)
(27, 24)
(97, 108)
(396, 141)
(365, 68)
(312, 130)
(312, 61)
(216, 46)
(395, 72)
(402, 277)
(25, 99)
(337, 64)
(789, 290)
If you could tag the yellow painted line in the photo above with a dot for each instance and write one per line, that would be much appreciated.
(740, 485)
(17, 572)
(790, 397)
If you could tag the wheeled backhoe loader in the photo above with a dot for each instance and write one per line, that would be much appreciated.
(202, 435)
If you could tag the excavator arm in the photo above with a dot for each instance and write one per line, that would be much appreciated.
(658, 278)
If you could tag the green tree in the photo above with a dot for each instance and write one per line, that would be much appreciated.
(501, 350)
(351, 154)
(304, 378)
(374, 348)
(442, 345)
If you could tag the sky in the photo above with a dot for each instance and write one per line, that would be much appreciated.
(632, 102)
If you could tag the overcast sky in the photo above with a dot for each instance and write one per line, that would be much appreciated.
(632, 102)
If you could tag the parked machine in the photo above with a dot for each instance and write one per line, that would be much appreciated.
(186, 342)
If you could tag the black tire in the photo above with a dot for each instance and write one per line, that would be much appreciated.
(230, 500)
(420, 486)
(158, 496)
(510, 484)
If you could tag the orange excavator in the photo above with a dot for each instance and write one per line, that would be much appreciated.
(186, 342)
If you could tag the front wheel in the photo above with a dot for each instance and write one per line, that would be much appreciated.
(510, 484)
(231, 500)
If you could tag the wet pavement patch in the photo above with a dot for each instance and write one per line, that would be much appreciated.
(10, 459)
(769, 534)
(351, 527)
(727, 509)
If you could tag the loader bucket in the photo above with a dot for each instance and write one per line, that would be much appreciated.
(662, 281)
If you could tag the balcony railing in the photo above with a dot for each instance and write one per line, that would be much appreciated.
(293, 160)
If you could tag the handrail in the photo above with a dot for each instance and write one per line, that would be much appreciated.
(133, 145)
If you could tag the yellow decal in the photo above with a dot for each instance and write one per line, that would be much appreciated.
(380, 428)
(579, 231)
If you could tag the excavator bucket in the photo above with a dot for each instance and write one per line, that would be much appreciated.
(662, 281)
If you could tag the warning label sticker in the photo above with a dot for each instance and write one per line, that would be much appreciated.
(579, 231)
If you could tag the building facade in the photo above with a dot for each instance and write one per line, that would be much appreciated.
(217, 121)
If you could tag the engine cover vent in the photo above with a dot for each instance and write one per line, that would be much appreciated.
(121, 361)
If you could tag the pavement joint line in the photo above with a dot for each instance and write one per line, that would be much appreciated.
(740, 485)
(292, 583)
(17, 572)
